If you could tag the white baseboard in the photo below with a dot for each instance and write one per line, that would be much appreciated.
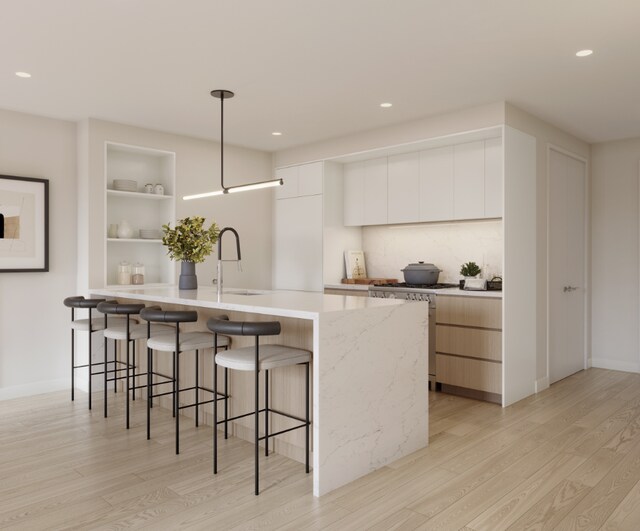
(542, 384)
(36, 388)
(615, 365)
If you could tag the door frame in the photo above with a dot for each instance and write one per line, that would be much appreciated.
(585, 258)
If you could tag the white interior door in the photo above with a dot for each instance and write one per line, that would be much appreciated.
(567, 183)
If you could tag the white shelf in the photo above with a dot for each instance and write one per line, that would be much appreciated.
(133, 240)
(137, 195)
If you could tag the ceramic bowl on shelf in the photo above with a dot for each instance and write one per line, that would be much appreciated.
(125, 185)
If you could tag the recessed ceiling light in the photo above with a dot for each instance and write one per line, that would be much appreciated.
(276, 133)
(23, 74)
(386, 105)
(584, 53)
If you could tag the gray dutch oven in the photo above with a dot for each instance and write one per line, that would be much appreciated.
(421, 273)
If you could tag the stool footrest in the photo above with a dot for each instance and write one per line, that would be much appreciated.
(284, 431)
(222, 397)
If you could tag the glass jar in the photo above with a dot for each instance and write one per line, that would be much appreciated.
(138, 274)
(124, 273)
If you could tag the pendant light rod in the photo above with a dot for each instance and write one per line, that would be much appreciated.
(222, 95)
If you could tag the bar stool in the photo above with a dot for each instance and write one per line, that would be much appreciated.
(129, 331)
(257, 358)
(90, 325)
(176, 344)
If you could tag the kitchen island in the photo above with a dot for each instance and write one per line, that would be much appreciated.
(369, 386)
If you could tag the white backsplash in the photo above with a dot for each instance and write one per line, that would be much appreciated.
(389, 248)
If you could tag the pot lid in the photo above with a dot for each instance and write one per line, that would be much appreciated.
(420, 266)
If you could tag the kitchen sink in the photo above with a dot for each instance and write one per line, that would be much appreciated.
(240, 292)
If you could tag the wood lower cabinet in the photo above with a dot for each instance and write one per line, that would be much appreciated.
(469, 346)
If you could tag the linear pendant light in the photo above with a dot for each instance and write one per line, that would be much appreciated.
(225, 95)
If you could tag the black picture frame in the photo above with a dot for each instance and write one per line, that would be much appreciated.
(24, 224)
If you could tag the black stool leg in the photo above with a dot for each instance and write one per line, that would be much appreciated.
(73, 362)
(257, 423)
(105, 376)
(90, 357)
(307, 420)
(226, 402)
(215, 414)
(149, 389)
(133, 377)
(266, 413)
(127, 372)
(197, 387)
(176, 387)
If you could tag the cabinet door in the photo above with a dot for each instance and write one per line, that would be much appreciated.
(436, 184)
(404, 184)
(290, 178)
(468, 180)
(298, 244)
(354, 194)
(493, 178)
(375, 192)
(310, 178)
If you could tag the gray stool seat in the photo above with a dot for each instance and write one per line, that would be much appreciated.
(97, 323)
(188, 341)
(270, 357)
(118, 330)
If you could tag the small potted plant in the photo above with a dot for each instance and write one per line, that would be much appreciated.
(469, 270)
(190, 243)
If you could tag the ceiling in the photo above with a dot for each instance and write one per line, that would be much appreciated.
(316, 69)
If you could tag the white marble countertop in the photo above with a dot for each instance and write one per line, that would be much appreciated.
(445, 291)
(457, 292)
(300, 304)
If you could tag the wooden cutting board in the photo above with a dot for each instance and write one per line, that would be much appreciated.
(371, 281)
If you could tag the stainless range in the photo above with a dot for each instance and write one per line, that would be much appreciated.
(416, 292)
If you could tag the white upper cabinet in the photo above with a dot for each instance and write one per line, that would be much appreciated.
(299, 181)
(493, 178)
(436, 184)
(365, 193)
(375, 192)
(354, 194)
(310, 179)
(455, 182)
(468, 182)
(289, 177)
(403, 204)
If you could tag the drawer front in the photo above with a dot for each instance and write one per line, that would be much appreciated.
(469, 311)
(474, 342)
(472, 374)
(347, 292)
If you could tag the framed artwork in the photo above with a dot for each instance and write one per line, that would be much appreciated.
(24, 224)
(354, 264)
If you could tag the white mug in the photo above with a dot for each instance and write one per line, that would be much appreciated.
(158, 189)
(148, 188)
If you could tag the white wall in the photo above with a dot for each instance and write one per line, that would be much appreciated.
(389, 248)
(197, 170)
(34, 325)
(614, 254)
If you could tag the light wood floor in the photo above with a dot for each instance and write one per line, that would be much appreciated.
(567, 458)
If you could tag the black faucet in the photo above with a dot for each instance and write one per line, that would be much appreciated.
(238, 257)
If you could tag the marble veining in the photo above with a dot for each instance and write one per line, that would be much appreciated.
(389, 248)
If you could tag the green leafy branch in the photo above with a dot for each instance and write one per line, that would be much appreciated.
(190, 241)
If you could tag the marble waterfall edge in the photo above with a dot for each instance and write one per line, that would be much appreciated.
(374, 365)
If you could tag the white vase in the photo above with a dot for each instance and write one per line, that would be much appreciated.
(125, 230)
